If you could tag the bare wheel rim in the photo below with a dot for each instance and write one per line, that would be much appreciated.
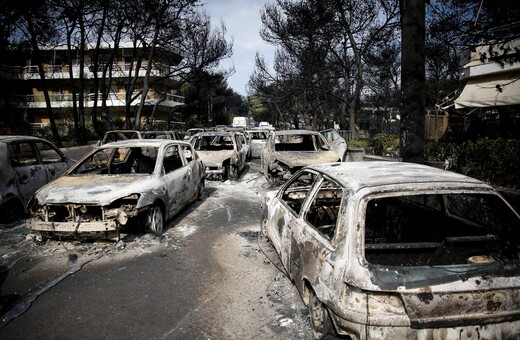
(156, 221)
(319, 318)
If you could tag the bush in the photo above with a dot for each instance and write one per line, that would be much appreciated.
(359, 143)
(385, 144)
(496, 161)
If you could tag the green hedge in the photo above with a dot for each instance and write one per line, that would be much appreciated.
(495, 161)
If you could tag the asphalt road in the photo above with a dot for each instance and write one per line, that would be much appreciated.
(210, 276)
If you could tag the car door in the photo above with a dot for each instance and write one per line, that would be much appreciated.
(175, 174)
(53, 160)
(313, 252)
(241, 152)
(285, 216)
(30, 173)
(338, 143)
(194, 172)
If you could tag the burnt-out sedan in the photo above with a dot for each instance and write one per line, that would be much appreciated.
(388, 250)
(224, 153)
(141, 181)
(287, 151)
(26, 164)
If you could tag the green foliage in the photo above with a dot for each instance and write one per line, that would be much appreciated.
(385, 144)
(496, 161)
(359, 143)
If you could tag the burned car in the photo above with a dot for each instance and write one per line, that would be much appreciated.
(141, 181)
(287, 151)
(26, 164)
(389, 250)
(117, 135)
(257, 140)
(223, 153)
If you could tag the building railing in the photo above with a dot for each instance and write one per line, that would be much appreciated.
(112, 98)
(61, 71)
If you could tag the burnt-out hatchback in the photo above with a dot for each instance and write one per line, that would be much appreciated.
(389, 250)
(141, 181)
(287, 151)
(224, 153)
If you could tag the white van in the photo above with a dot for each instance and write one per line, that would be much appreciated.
(243, 122)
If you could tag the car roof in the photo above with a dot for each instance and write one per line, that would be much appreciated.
(359, 175)
(215, 133)
(15, 138)
(295, 132)
(129, 143)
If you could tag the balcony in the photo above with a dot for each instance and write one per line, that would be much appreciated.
(119, 70)
(64, 100)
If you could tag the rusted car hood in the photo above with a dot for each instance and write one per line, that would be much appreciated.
(303, 158)
(91, 189)
(215, 158)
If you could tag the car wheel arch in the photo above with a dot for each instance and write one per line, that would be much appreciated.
(312, 301)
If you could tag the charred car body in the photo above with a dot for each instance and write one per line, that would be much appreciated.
(26, 164)
(142, 181)
(287, 151)
(387, 250)
(223, 153)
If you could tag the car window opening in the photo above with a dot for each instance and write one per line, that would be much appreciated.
(295, 143)
(213, 144)
(440, 230)
(324, 209)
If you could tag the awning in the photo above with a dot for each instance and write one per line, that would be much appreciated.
(492, 90)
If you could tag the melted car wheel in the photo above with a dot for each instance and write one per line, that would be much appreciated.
(233, 172)
(155, 220)
(320, 319)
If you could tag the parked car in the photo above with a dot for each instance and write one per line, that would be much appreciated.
(337, 143)
(287, 151)
(223, 153)
(389, 250)
(257, 140)
(144, 181)
(166, 134)
(117, 135)
(26, 164)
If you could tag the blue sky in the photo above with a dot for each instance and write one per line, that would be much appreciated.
(242, 20)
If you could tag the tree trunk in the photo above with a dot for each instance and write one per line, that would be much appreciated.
(73, 84)
(41, 71)
(81, 100)
(412, 80)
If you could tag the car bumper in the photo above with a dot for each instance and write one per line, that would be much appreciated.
(77, 227)
(503, 330)
(215, 173)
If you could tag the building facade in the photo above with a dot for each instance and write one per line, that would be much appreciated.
(22, 89)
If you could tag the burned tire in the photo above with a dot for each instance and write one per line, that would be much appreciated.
(233, 172)
(12, 210)
(319, 315)
(155, 220)
(263, 223)
(200, 191)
